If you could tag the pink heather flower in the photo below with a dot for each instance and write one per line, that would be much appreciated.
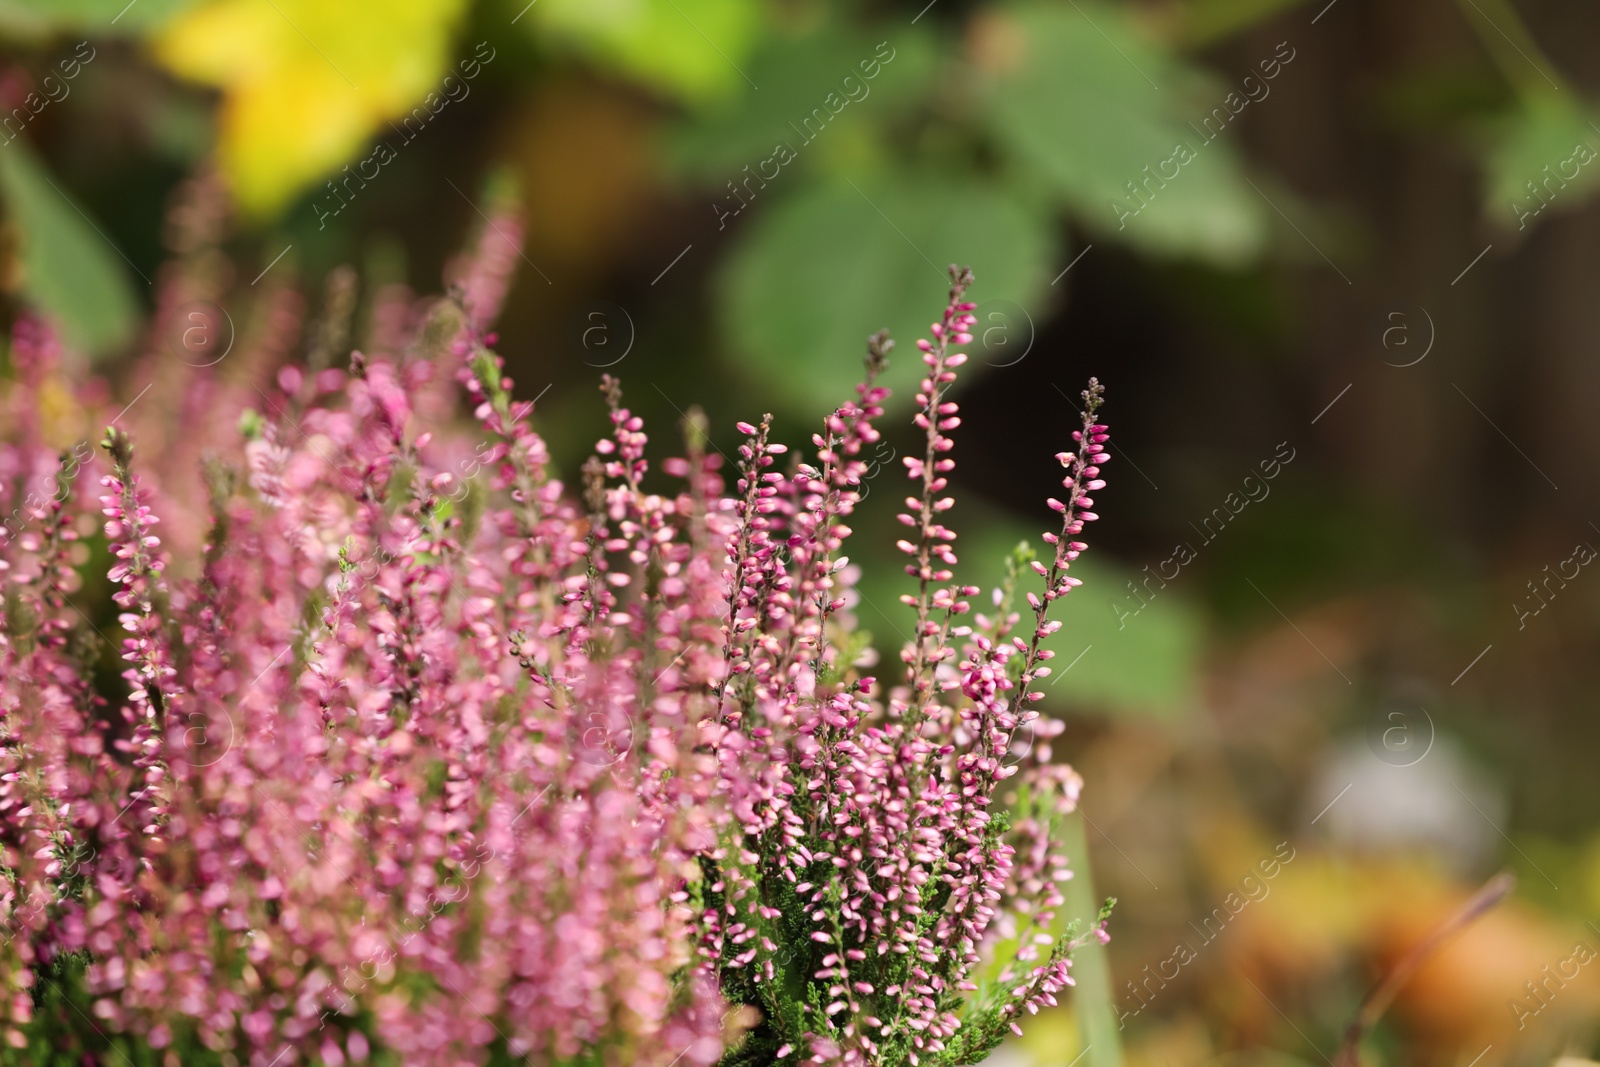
(869, 866)
(418, 750)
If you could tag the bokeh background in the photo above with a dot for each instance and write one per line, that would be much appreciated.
(1334, 662)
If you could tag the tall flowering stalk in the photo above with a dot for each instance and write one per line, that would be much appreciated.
(859, 900)
(417, 754)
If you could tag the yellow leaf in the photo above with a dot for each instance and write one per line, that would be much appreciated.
(306, 82)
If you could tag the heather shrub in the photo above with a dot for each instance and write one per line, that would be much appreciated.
(337, 728)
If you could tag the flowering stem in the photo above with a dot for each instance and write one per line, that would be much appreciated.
(1084, 477)
(933, 539)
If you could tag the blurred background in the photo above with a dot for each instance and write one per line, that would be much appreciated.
(1334, 662)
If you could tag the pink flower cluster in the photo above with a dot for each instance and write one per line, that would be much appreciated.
(870, 886)
(425, 753)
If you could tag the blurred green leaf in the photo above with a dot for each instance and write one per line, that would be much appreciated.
(1205, 22)
(1442, 94)
(869, 78)
(812, 277)
(1542, 154)
(1144, 664)
(1084, 1029)
(1078, 96)
(694, 49)
(1514, 49)
(70, 270)
(30, 19)
(1092, 995)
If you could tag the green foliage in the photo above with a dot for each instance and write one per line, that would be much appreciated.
(693, 49)
(715, 142)
(63, 1032)
(71, 269)
(1542, 152)
(942, 155)
(1147, 666)
(1093, 994)
(865, 252)
(1208, 21)
(43, 18)
(1080, 96)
